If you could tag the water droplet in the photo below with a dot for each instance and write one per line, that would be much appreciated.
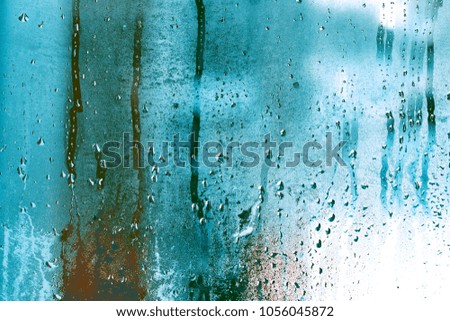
(50, 264)
(319, 244)
(23, 17)
(280, 186)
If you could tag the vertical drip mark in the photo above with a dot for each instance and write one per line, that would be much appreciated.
(389, 34)
(389, 45)
(67, 251)
(197, 203)
(100, 172)
(135, 114)
(138, 152)
(404, 48)
(386, 53)
(403, 113)
(200, 39)
(432, 16)
(429, 86)
(416, 58)
(415, 100)
(350, 134)
(105, 265)
(418, 101)
(76, 92)
(380, 42)
(431, 118)
(385, 35)
(385, 159)
(411, 111)
(265, 170)
(354, 143)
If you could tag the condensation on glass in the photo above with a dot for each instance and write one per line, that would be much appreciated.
(367, 80)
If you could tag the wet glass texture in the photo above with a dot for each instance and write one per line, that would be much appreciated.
(224, 150)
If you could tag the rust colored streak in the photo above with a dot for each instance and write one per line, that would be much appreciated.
(104, 263)
(70, 236)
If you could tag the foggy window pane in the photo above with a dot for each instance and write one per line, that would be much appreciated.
(224, 150)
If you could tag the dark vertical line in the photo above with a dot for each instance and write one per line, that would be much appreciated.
(418, 99)
(76, 92)
(200, 39)
(134, 97)
(389, 45)
(138, 149)
(196, 115)
(82, 278)
(430, 101)
(67, 250)
(416, 56)
(430, 65)
(200, 282)
(350, 134)
(380, 42)
(385, 158)
(100, 172)
(429, 88)
(431, 118)
(397, 169)
(136, 121)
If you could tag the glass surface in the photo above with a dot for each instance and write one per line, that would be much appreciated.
(224, 150)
